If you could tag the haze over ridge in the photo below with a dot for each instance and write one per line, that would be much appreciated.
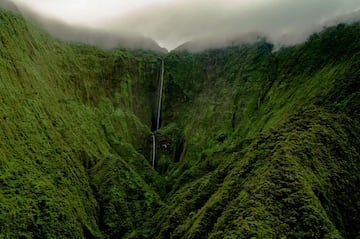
(172, 23)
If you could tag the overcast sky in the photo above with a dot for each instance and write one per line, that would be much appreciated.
(172, 22)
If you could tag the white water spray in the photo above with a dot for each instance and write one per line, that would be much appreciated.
(160, 95)
(153, 150)
(158, 113)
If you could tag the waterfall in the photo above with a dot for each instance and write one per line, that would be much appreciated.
(160, 95)
(153, 150)
(158, 113)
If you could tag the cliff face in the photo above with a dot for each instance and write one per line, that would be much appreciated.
(270, 140)
(74, 136)
(253, 144)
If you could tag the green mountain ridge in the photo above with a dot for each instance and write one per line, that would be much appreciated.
(253, 143)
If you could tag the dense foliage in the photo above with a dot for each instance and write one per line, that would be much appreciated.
(254, 143)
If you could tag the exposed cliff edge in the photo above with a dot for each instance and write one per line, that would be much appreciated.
(253, 144)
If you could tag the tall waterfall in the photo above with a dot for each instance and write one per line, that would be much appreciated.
(153, 150)
(160, 95)
(158, 113)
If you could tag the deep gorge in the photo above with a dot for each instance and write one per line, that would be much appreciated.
(254, 142)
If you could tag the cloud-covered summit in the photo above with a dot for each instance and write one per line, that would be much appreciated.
(173, 22)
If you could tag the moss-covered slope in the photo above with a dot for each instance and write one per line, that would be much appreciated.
(73, 137)
(269, 140)
(253, 144)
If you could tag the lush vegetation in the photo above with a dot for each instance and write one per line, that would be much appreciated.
(74, 137)
(254, 143)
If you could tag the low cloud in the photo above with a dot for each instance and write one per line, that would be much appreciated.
(171, 23)
(83, 34)
(8, 5)
(282, 21)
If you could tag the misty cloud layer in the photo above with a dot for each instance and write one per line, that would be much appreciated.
(8, 5)
(171, 23)
(83, 34)
(283, 21)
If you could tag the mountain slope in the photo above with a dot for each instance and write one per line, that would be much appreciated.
(253, 143)
(270, 140)
(72, 131)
